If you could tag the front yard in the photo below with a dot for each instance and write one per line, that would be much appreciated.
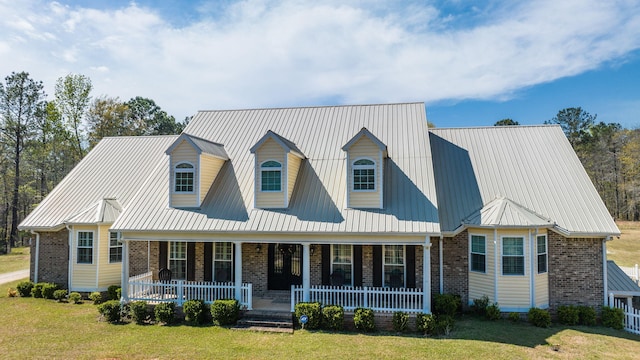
(17, 259)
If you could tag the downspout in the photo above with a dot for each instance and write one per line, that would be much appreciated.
(605, 280)
(495, 264)
(532, 281)
(440, 265)
(37, 257)
(69, 277)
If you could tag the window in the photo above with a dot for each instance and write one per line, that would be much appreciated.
(184, 174)
(512, 256)
(85, 247)
(178, 260)
(271, 176)
(393, 266)
(364, 175)
(341, 265)
(115, 248)
(478, 253)
(542, 254)
(222, 262)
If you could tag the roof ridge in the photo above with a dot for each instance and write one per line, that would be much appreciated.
(314, 106)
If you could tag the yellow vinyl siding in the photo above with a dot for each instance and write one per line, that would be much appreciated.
(514, 290)
(270, 150)
(84, 275)
(483, 284)
(109, 274)
(364, 148)
(184, 152)
(293, 166)
(209, 169)
(542, 290)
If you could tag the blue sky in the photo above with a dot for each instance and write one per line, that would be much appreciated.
(471, 62)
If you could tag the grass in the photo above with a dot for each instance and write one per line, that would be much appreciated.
(17, 259)
(44, 328)
(625, 251)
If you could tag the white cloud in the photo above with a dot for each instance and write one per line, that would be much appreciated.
(263, 53)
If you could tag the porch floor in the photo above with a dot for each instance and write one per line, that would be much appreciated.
(273, 300)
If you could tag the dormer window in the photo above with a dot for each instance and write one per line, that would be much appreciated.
(271, 176)
(184, 175)
(364, 175)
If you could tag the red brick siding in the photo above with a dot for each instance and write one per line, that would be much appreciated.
(455, 265)
(138, 257)
(53, 258)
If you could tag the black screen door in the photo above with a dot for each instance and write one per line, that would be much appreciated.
(285, 266)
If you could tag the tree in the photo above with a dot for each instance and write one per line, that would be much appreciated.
(19, 102)
(72, 99)
(506, 122)
(575, 123)
(107, 117)
(147, 118)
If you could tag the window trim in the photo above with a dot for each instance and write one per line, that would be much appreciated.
(116, 247)
(523, 256)
(355, 167)
(214, 260)
(274, 168)
(545, 253)
(471, 253)
(404, 264)
(341, 263)
(185, 259)
(78, 246)
(176, 171)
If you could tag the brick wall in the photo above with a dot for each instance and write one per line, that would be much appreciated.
(575, 271)
(254, 267)
(367, 265)
(53, 259)
(435, 265)
(455, 265)
(138, 258)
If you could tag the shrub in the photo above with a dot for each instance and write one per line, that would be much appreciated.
(164, 312)
(539, 317)
(479, 306)
(75, 298)
(446, 304)
(514, 317)
(587, 315)
(96, 297)
(400, 321)
(425, 324)
(110, 310)
(36, 291)
(363, 320)
(138, 311)
(60, 294)
(195, 311)
(112, 292)
(313, 312)
(568, 315)
(48, 289)
(492, 312)
(443, 324)
(24, 288)
(225, 312)
(333, 317)
(613, 317)
(11, 292)
(119, 293)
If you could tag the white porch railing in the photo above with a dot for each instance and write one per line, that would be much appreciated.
(633, 272)
(143, 287)
(376, 298)
(631, 316)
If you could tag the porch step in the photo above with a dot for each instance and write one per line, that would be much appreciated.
(266, 321)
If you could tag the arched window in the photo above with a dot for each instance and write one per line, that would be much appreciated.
(184, 175)
(364, 174)
(271, 176)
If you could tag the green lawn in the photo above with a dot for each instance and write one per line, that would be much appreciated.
(17, 259)
(625, 251)
(45, 329)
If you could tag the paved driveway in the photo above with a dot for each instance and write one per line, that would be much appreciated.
(13, 276)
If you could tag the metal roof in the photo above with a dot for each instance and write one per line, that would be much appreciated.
(104, 211)
(201, 146)
(368, 134)
(620, 283)
(533, 166)
(286, 144)
(318, 201)
(503, 212)
(116, 169)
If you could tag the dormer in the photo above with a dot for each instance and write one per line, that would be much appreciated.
(193, 166)
(365, 171)
(277, 162)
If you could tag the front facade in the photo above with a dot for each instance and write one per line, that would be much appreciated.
(358, 205)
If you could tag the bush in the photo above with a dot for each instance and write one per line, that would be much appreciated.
(425, 324)
(333, 317)
(36, 291)
(112, 292)
(24, 288)
(110, 310)
(443, 324)
(75, 298)
(446, 304)
(492, 312)
(400, 321)
(313, 311)
(514, 317)
(539, 317)
(568, 315)
(60, 294)
(587, 315)
(164, 312)
(195, 311)
(225, 312)
(363, 320)
(48, 289)
(139, 312)
(479, 306)
(96, 297)
(613, 317)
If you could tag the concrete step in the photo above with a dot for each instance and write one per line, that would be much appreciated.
(265, 323)
(264, 320)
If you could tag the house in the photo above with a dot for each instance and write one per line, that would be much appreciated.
(357, 205)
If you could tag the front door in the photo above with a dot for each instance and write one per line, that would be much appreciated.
(285, 266)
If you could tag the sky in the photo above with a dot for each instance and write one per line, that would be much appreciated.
(472, 62)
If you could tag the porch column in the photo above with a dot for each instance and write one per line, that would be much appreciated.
(237, 262)
(306, 272)
(426, 276)
(125, 270)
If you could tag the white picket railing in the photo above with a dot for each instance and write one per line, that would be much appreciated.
(143, 287)
(376, 298)
(631, 315)
(632, 272)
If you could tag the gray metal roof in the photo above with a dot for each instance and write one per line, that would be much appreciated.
(620, 283)
(533, 166)
(116, 169)
(104, 211)
(318, 201)
(368, 134)
(503, 212)
(286, 144)
(202, 146)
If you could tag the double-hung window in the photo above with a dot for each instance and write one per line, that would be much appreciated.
(184, 178)
(364, 175)
(478, 253)
(341, 264)
(512, 256)
(85, 247)
(222, 261)
(115, 248)
(178, 260)
(271, 176)
(542, 253)
(393, 266)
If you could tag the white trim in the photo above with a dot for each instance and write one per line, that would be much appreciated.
(124, 281)
(533, 272)
(275, 168)
(97, 251)
(195, 182)
(306, 273)
(524, 254)
(186, 259)
(93, 246)
(364, 167)
(238, 270)
(109, 247)
(351, 263)
(546, 253)
(495, 265)
(148, 256)
(214, 260)
(471, 235)
(37, 257)
(71, 259)
(404, 263)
